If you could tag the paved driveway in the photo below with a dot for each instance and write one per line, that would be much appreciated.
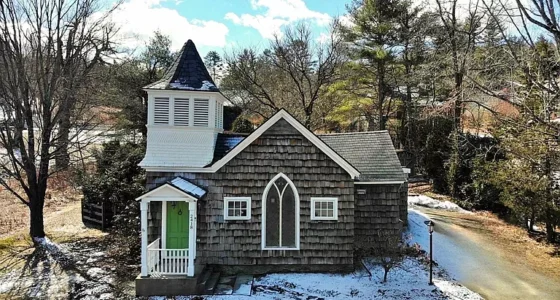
(473, 260)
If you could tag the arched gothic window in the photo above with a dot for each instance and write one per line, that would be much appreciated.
(280, 214)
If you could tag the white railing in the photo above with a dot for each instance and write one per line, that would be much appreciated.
(167, 261)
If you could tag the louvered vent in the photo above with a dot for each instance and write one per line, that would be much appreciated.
(200, 112)
(219, 116)
(181, 112)
(161, 111)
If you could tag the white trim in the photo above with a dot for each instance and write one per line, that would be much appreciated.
(263, 213)
(144, 238)
(163, 224)
(192, 238)
(334, 200)
(247, 200)
(166, 185)
(282, 114)
(378, 182)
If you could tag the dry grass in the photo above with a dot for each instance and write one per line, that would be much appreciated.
(14, 215)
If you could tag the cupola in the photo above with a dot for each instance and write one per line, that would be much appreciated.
(185, 114)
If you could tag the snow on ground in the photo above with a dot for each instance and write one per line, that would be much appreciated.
(407, 281)
(422, 200)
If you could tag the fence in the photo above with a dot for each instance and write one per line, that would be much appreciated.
(99, 215)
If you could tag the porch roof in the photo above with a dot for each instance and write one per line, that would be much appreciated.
(180, 185)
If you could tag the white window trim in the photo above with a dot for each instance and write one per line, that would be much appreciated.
(324, 199)
(237, 218)
(263, 214)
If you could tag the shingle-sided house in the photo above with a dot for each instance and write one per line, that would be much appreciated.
(279, 199)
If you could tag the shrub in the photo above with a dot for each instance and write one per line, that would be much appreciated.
(118, 180)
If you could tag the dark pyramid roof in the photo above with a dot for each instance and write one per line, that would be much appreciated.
(186, 73)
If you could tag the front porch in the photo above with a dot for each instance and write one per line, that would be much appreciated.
(172, 251)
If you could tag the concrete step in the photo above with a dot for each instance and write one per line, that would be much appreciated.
(225, 285)
(203, 279)
(210, 285)
(243, 285)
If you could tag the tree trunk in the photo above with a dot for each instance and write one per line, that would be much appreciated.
(385, 275)
(380, 93)
(550, 234)
(37, 228)
(62, 158)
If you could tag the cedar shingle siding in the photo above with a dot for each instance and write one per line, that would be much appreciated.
(281, 149)
(378, 212)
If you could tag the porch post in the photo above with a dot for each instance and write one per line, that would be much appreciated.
(144, 241)
(192, 237)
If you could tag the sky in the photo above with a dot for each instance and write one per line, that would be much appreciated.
(220, 25)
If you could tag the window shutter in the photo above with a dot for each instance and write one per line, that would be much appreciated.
(201, 112)
(181, 112)
(161, 111)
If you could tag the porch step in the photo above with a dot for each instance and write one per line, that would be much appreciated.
(210, 285)
(225, 285)
(243, 285)
(203, 279)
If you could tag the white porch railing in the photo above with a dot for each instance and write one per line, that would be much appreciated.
(167, 261)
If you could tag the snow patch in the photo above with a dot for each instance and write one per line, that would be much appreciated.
(426, 201)
(206, 86)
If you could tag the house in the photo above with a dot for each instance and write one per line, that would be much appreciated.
(279, 199)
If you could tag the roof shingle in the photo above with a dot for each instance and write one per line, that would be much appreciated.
(186, 73)
(372, 153)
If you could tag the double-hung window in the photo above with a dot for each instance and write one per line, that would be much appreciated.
(237, 208)
(324, 209)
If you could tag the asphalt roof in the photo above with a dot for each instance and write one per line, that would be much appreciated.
(225, 142)
(371, 152)
(187, 72)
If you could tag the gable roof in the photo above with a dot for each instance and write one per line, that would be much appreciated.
(187, 72)
(372, 153)
(181, 185)
(225, 142)
(282, 114)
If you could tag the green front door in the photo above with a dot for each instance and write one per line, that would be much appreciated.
(177, 225)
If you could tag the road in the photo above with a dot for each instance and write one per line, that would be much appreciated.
(473, 260)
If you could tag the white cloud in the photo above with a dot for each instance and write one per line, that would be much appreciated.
(138, 19)
(277, 13)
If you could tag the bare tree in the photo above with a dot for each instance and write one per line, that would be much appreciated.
(292, 74)
(48, 51)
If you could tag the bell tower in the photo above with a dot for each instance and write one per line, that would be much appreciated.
(185, 115)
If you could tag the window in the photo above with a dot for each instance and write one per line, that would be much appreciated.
(161, 111)
(181, 112)
(280, 224)
(237, 208)
(324, 209)
(201, 112)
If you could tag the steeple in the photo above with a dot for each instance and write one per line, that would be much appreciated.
(186, 73)
(185, 115)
